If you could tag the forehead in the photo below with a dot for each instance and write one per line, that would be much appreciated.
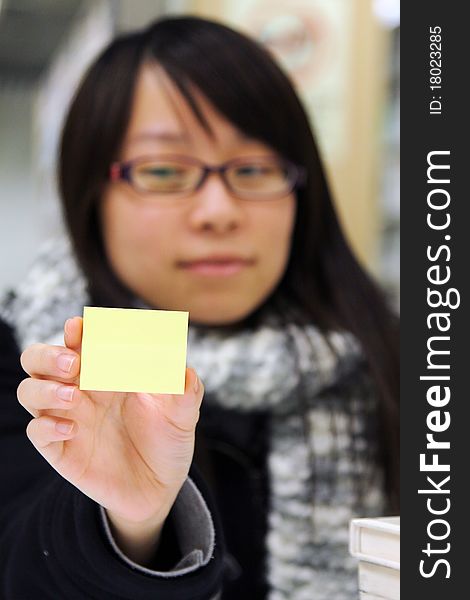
(160, 111)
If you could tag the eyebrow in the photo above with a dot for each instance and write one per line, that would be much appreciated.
(167, 136)
(178, 136)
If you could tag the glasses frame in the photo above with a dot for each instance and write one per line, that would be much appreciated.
(122, 171)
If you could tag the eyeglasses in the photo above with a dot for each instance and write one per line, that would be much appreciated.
(247, 178)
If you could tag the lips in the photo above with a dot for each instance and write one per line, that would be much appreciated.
(216, 265)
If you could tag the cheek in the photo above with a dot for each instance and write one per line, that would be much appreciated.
(276, 229)
(288, 222)
(128, 228)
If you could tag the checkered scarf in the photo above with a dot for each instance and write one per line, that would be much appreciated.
(321, 462)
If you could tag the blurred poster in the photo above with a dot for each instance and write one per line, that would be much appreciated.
(311, 39)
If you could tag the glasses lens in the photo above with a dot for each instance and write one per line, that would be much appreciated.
(165, 176)
(259, 177)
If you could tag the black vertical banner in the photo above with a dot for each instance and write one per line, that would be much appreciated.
(435, 251)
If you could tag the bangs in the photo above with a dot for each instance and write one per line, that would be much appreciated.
(235, 74)
(188, 91)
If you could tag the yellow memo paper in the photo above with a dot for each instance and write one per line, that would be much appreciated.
(134, 350)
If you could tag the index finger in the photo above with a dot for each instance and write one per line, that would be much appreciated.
(73, 329)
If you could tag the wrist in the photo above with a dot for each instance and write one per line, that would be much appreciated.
(138, 540)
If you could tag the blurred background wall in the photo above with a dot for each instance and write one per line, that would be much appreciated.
(343, 56)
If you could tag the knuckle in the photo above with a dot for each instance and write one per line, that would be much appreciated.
(31, 429)
(22, 390)
(32, 357)
(50, 354)
(38, 432)
(182, 426)
(25, 358)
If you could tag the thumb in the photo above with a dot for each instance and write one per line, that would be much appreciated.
(181, 410)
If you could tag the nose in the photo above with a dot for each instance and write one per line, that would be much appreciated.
(214, 208)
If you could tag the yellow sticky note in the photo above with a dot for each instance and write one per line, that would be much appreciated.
(134, 350)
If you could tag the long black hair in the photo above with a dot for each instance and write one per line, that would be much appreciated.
(323, 282)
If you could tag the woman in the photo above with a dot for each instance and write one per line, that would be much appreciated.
(190, 180)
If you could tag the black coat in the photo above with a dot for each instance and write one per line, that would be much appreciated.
(52, 543)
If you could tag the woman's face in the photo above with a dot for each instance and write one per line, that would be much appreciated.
(212, 254)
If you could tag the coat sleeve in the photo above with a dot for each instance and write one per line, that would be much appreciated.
(55, 542)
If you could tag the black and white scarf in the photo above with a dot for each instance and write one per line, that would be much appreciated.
(314, 477)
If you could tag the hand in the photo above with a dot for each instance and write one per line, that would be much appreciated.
(129, 452)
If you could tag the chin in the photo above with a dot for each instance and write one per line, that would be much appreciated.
(219, 317)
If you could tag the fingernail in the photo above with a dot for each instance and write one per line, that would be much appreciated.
(65, 392)
(196, 384)
(64, 428)
(65, 362)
